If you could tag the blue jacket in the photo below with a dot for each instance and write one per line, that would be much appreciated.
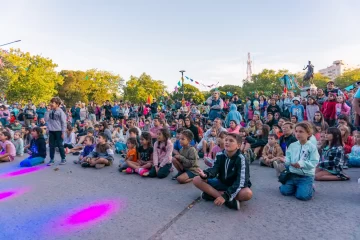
(115, 110)
(41, 112)
(233, 115)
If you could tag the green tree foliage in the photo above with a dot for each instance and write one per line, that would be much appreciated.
(24, 77)
(137, 89)
(348, 78)
(267, 82)
(191, 92)
(92, 85)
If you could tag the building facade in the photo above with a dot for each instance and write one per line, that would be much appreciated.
(335, 70)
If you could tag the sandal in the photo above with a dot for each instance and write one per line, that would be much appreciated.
(85, 164)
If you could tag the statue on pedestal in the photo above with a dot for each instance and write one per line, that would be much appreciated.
(310, 73)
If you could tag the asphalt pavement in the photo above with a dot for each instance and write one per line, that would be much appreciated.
(70, 202)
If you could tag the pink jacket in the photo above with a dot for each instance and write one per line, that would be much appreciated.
(162, 154)
(343, 109)
(236, 130)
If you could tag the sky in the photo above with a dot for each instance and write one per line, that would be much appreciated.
(208, 39)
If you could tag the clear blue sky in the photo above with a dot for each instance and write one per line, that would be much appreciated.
(209, 39)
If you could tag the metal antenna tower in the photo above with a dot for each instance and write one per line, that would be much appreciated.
(248, 70)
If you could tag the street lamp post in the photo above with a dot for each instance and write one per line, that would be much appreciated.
(182, 82)
(9, 43)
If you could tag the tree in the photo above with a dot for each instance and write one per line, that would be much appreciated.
(191, 92)
(92, 85)
(137, 89)
(348, 78)
(24, 77)
(267, 82)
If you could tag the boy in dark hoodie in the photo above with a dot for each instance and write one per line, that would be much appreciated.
(228, 181)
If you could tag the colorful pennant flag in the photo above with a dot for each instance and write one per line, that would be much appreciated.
(179, 83)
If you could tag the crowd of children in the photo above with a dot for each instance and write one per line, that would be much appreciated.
(300, 139)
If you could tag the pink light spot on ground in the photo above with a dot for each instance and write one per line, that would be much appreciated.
(86, 216)
(12, 193)
(21, 172)
(89, 214)
(4, 195)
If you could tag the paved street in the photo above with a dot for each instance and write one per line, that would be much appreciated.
(139, 208)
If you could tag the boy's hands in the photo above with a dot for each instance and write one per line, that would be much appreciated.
(219, 201)
(201, 172)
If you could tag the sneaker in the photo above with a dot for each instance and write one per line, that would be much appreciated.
(206, 197)
(145, 174)
(279, 167)
(343, 177)
(76, 153)
(143, 171)
(234, 204)
(63, 162)
(209, 162)
(129, 170)
(51, 162)
(345, 167)
(85, 164)
(99, 166)
(76, 161)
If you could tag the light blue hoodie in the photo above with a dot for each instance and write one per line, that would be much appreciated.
(306, 155)
(233, 115)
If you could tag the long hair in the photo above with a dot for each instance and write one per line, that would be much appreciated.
(165, 132)
(337, 139)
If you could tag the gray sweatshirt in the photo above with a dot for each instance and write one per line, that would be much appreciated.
(56, 120)
(310, 112)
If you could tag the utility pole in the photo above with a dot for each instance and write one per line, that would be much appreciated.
(182, 82)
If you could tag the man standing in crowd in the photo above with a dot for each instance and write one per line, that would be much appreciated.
(107, 108)
(216, 105)
(154, 108)
(330, 88)
(29, 113)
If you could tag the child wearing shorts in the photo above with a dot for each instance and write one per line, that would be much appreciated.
(101, 156)
(186, 162)
(7, 151)
(228, 181)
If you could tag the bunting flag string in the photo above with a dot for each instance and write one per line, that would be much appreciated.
(202, 84)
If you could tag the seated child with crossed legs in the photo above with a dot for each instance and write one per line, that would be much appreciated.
(144, 152)
(101, 156)
(186, 162)
(272, 151)
(228, 181)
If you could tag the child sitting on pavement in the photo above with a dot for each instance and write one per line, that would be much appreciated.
(229, 180)
(187, 161)
(271, 152)
(219, 147)
(89, 147)
(101, 156)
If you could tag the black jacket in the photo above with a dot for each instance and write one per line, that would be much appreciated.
(257, 142)
(195, 131)
(286, 141)
(233, 172)
(38, 147)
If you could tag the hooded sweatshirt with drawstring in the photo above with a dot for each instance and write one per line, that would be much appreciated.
(233, 115)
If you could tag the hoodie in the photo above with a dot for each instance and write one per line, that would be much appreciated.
(38, 147)
(233, 115)
(306, 155)
(56, 120)
(231, 171)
